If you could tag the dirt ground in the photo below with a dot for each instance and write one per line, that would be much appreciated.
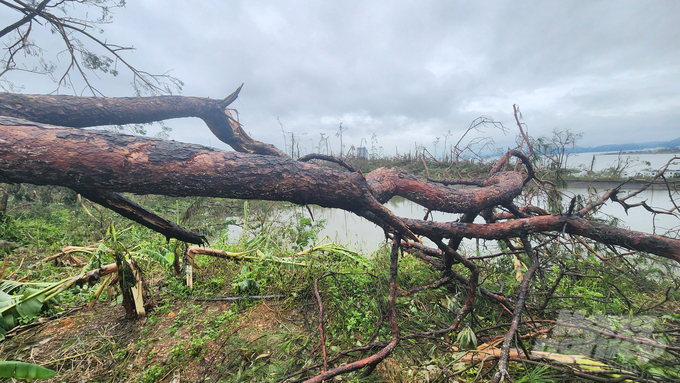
(99, 345)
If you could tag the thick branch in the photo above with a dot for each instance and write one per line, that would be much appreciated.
(498, 189)
(29, 16)
(141, 215)
(81, 112)
(630, 239)
(102, 160)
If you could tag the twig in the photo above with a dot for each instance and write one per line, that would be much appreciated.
(71, 357)
(80, 199)
(231, 299)
(193, 250)
(668, 291)
(17, 269)
(321, 334)
(68, 250)
(525, 138)
(374, 359)
(425, 164)
(335, 358)
(550, 293)
(658, 174)
(519, 306)
(316, 156)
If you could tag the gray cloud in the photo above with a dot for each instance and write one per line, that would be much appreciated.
(411, 71)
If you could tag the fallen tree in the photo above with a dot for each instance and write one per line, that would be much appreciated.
(101, 164)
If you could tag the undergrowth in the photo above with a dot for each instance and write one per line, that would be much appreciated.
(193, 334)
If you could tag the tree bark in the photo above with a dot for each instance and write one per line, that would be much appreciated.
(81, 112)
(499, 189)
(79, 159)
(142, 215)
(630, 239)
(98, 164)
(93, 160)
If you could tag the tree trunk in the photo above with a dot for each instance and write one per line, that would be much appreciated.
(98, 164)
(92, 160)
(81, 112)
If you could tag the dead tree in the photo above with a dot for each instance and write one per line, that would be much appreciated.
(40, 143)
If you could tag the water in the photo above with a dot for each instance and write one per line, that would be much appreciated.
(637, 218)
(637, 163)
(357, 233)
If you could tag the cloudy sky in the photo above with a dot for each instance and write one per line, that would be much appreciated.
(409, 72)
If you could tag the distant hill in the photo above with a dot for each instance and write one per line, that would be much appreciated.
(634, 146)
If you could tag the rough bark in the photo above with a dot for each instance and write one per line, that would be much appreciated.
(79, 159)
(93, 160)
(98, 164)
(141, 215)
(630, 239)
(82, 112)
(499, 189)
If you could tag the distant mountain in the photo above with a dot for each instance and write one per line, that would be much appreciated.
(634, 146)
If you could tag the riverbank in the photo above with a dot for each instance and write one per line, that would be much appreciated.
(626, 184)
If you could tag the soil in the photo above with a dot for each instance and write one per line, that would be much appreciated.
(99, 345)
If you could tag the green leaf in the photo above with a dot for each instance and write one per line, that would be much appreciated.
(30, 307)
(6, 299)
(8, 321)
(21, 370)
(165, 260)
(467, 338)
(169, 257)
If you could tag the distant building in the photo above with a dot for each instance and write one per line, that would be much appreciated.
(362, 153)
(645, 173)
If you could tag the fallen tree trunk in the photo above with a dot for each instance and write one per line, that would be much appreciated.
(98, 164)
(94, 160)
(630, 239)
(77, 159)
(82, 112)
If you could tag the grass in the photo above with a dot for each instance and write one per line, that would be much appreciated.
(266, 340)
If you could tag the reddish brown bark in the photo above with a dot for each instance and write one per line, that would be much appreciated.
(103, 160)
(630, 239)
(98, 164)
(89, 160)
(80, 112)
(498, 189)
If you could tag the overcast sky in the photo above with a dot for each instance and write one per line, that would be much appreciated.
(409, 72)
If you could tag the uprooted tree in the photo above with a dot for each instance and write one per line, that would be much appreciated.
(40, 144)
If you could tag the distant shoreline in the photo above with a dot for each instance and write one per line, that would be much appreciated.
(629, 184)
(644, 151)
